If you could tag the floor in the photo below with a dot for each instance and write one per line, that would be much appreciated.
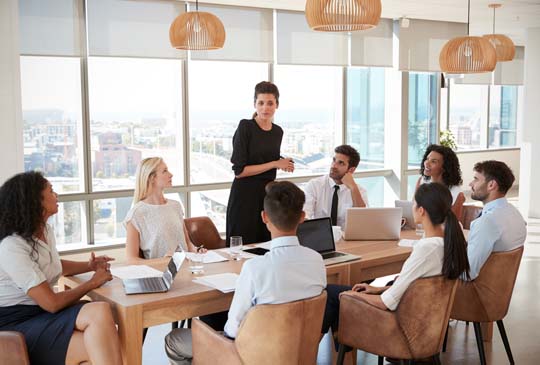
(522, 324)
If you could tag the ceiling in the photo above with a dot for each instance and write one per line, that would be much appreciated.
(512, 19)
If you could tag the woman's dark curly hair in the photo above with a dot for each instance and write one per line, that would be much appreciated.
(21, 211)
(451, 171)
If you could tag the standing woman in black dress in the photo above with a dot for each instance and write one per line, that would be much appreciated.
(255, 159)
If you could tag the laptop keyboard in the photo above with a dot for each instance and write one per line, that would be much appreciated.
(153, 284)
(330, 255)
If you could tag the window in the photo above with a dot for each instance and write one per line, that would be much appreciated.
(211, 203)
(422, 114)
(69, 223)
(502, 116)
(52, 120)
(220, 95)
(135, 112)
(310, 114)
(365, 115)
(468, 115)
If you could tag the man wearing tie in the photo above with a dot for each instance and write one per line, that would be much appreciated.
(331, 195)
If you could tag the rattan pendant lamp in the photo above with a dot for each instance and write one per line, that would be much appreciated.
(196, 31)
(343, 15)
(465, 55)
(504, 47)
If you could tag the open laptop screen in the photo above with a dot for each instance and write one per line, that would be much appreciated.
(316, 234)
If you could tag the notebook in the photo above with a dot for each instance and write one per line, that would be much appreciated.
(372, 224)
(317, 235)
(156, 284)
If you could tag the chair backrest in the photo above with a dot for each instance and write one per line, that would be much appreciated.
(13, 349)
(423, 314)
(284, 334)
(469, 213)
(487, 298)
(202, 231)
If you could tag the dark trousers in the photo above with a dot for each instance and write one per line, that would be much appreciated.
(331, 311)
(216, 320)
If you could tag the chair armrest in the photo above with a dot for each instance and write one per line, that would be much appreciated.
(209, 345)
(13, 349)
(367, 327)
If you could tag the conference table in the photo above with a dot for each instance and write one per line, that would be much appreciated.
(187, 299)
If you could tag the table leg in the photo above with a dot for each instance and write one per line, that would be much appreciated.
(130, 329)
(487, 331)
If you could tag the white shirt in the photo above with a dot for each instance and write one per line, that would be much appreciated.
(426, 260)
(319, 193)
(500, 228)
(160, 227)
(286, 273)
(20, 271)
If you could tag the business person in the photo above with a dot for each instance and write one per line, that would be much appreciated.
(255, 159)
(57, 327)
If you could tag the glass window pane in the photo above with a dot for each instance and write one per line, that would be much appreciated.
(135, 112)
(69, 223)
(52, 120)
(411, 185)
(220, 95)
(378, 191)
(365, 115)
(211, 203)
(468, 115)
(310, 114)
(422, 114)
(503, 116)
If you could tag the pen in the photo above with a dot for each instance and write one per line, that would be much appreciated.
(199, 248)
(286, 157)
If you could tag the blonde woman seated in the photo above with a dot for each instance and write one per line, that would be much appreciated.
(155, 225)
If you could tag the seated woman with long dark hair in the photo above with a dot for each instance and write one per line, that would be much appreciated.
(58, 328)
(442, 250)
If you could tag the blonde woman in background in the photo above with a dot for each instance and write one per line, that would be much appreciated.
(155, 224)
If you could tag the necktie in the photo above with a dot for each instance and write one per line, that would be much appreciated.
(333, 211)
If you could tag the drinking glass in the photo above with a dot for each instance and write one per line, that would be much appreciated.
(236, 247)
(196, 263)
(420, 230)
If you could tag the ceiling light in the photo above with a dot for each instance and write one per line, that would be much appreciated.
(504, 47)
(343, 15)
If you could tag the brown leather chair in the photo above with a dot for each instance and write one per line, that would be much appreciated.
(285, 334)
(468, 214)
(415, 330)
(13, 348)
(487, 298)
(202, 231)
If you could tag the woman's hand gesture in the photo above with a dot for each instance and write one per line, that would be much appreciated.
(285, 164)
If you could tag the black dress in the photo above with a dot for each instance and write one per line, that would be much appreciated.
(251, 146)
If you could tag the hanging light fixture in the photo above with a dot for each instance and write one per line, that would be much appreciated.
(343, 15)
(465, 55)
(196, 31)
(504, 47)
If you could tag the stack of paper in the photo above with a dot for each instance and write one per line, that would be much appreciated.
(225, 283)
(209, 257)
(407, 243)
(135, 272)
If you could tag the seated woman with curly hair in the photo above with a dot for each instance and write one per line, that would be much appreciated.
(58, 328)
(440, 164)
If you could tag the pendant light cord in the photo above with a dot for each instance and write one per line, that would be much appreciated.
(468, 16)
(493, 20)
(197, 5)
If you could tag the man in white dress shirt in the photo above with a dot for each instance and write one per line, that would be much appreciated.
(331, 195)
(288, 272)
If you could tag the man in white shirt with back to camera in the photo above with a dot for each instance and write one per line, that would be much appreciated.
(331, 195)
(288, 272)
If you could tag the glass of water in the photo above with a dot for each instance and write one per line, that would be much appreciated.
(420, 230)
(196, 263)
(236, 247)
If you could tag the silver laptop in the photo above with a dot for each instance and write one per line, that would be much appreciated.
(406, 211)
(317, 235)
(372, 224)
(156, 284)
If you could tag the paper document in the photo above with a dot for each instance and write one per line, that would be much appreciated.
(223, 282)
(135, 272)
(267, 245)
(407, 243)
(244, 255)
(209, 257)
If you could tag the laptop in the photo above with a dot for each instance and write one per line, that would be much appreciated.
(406, 209)
(317, 235)
(156, 284)
(372, 224)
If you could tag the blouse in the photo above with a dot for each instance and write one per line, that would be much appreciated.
(21, 269)
(160, 227)
(455, 190)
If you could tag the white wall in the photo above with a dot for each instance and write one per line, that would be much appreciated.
(11, 144)
(530, 172)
